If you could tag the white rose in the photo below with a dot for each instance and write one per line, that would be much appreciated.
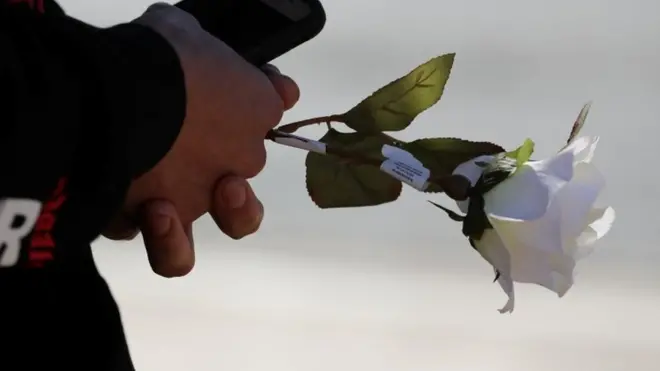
(543, 218)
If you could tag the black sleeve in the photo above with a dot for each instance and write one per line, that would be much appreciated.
(83, 111)
(101, 106)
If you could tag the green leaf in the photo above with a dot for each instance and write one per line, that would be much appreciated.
(450, 213)
(579, 123)
(394, 106)
(442, 155)
(333, 182)
(523, 153)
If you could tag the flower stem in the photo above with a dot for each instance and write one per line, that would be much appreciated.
(294, 126)
(454, 186)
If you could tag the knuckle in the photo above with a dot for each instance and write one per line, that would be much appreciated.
(169, 19)
(160, 5)
(272, 111)
(256, 161)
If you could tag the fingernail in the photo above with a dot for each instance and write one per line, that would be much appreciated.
(162, 222)
(234, 195)
(253, 225)
(260, 216)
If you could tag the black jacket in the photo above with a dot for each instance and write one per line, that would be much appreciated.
(83, 111)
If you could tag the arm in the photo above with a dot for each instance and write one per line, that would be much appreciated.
(83, 111)
(84, 108)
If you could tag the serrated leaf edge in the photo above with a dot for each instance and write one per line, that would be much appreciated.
(501, 149)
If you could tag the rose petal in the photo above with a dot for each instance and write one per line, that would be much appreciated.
(583, 148)
(491, 248)
(506, 283)
(599, 224)
(601, 220)
(562, 283)
(536, 254)
(524, 196)
(577, 199)
(559, 167)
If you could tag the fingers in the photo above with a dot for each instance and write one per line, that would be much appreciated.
(169, 244)
(235, 208)
(158, 6)
(284, 85)
(120, 228)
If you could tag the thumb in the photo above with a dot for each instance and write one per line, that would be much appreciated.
(161, 5)
(168, 243)
(168, 13)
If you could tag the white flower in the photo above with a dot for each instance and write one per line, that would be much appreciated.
(543, 218)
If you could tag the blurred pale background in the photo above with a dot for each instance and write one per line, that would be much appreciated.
(396, 287)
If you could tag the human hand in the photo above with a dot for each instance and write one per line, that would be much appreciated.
(231, 105)
(236, 210)
(169, 243)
